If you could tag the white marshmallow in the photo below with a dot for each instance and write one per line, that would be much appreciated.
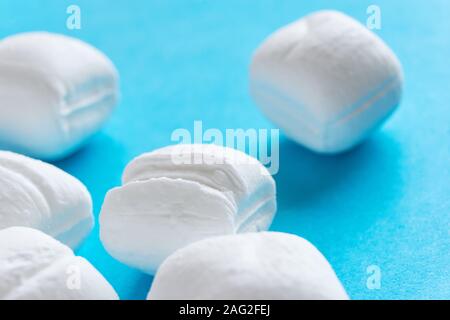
(164, 205)
(326, 80)
(55, 92)
(38, 195)
(252, 266)
(34, 266)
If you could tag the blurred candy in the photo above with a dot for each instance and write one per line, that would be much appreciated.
(252, 266)
(55, 92)
(34, 266)
(38, 195)
(326, 80)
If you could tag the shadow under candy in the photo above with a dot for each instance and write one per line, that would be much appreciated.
(367, 173)
(333, 200)
(339, 201)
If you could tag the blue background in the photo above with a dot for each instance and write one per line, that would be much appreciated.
(386, 203)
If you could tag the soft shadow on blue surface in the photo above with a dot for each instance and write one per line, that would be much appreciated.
(335, 200)
(306, 177)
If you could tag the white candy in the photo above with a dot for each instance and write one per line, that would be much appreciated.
(164, 205)
(252, 266)
(55, 92)
(38, 195)
(326, 80)
(34, 266)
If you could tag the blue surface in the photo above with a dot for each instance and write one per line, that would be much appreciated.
(386, 203)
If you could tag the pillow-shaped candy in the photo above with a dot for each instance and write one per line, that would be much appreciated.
(34, 266)
(180, 194)
(326, 80)
(252, 266)
(55, 92)
(38, 195)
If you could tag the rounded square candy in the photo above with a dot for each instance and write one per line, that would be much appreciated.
(251, 266)
(170, 199)
(55, 92)
(326, 80)
(34, 266)
(39, 195)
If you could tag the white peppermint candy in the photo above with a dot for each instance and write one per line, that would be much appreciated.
(55, 92)
(180, 194)
(34, 266)
(38, 195)
(252, 266)
(326, 80)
